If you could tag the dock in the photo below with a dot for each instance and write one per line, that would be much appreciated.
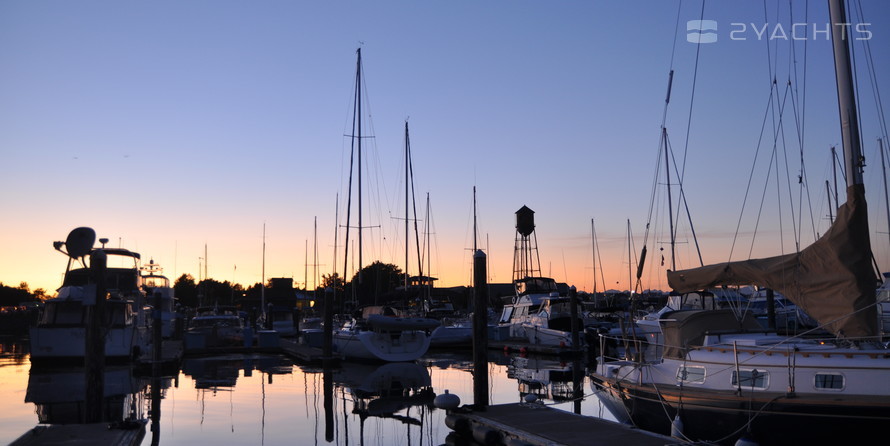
(535, 424)
(301, 352)
(110, 434)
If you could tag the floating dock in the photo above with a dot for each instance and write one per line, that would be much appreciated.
(95, 434)
(530, 424)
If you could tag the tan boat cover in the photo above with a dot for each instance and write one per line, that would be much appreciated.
(832, 280)
(684, 329)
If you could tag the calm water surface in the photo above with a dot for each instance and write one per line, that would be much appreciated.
(270, 400)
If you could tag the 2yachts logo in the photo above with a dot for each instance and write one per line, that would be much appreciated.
(705, 31)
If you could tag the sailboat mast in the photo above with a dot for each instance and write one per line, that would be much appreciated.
(667, 169)
(358, 98)
(853, 161)
(630, 284)
(263, 283)
(593, 252)
(407, 156)
(474, 220)
(429, 253)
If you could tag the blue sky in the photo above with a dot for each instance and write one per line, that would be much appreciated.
(168, 126)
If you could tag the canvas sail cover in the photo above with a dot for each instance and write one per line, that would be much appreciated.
(832, 280)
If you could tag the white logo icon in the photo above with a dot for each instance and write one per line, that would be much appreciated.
(701, 31)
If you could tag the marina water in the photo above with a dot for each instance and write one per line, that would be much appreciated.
(257, 399)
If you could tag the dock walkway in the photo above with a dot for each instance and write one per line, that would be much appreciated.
(536, 424)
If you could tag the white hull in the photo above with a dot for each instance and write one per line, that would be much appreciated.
(452, 335)
(538, 335)
(69, 342)
(381, 346)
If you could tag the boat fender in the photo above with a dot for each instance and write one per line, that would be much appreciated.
(677, 427)
(446, 400)
(458, 423)
(485, 435)
(745, 440)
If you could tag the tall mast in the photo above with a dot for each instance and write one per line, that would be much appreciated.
(358, 97)
(429, 253)
(263, 283)
(629, 261)
(667, 169)
(407, 156)
(593, 252)
(846, 95)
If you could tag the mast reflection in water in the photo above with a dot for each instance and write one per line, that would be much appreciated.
(269, 400)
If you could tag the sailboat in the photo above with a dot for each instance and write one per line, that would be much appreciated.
(721, 377)
(376, 336)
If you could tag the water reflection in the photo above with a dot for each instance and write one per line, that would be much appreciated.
(61, 403)
(270, 400)
(385, 391)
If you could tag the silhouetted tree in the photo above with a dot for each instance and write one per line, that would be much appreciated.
(10, 296)
(186, 291)
(333, 281)
(377, 280)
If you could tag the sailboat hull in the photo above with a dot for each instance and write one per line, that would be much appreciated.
(381, 345)
(767, 418)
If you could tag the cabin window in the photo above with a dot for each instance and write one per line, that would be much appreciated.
(66, 313)
(829, 381)
(750, 379)
(507, 314)
(693, 374)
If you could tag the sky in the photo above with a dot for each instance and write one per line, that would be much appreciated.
(212, 134)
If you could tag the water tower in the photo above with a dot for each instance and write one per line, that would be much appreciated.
(526, 261)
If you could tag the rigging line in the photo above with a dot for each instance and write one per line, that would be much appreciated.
(803, 170)
(773, 161)
(766, 114)
(781, 130)
(691, 101)
(873, 76)
(799, 116)
(676, 33)
(688, 214)
(662, 137)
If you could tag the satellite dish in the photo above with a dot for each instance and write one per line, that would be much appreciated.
(80, 242)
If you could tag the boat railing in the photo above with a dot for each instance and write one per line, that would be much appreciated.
(650, 347)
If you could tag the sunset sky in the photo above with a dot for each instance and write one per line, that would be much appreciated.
(168, 126)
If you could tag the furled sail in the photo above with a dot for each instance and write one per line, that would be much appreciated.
(832, 280)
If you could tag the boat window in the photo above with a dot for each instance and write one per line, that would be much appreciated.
(829, 381)
(116, 314)
(66, 313)
(751, 379)
(155, 281)
(121, 279)
(506, 315)
(691, 374)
